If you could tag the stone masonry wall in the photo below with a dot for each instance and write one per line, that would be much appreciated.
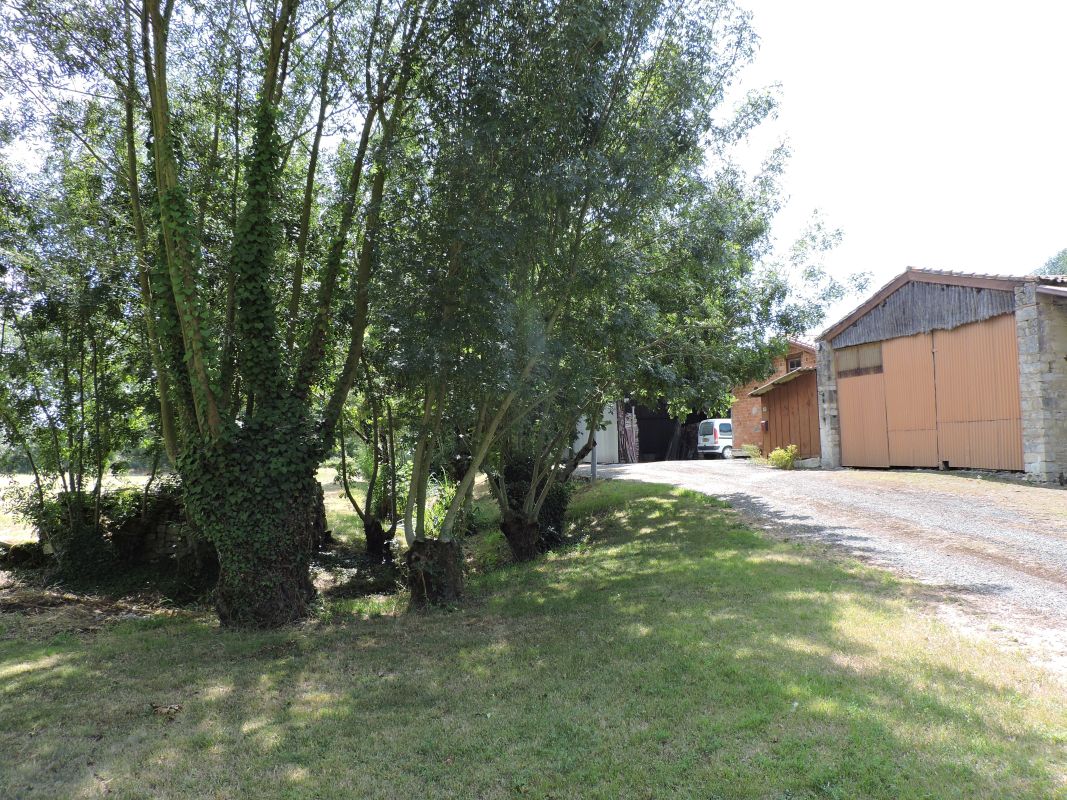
(748, 412)
(829, 422)
(1041, 326)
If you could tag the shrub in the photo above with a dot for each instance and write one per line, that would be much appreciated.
(752, 451)
(66, 524)
(552, 520)
(784, 459)
(23, 554)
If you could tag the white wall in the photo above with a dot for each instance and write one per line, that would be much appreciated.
(607, 440)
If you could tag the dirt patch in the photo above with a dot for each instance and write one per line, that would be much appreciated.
(32, 612)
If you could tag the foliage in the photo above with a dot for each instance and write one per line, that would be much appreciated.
(783, 458)
(1057, 265)
(440, 226)
(94, 537)
(69, 525)
(519, 481)
(443, 494)
(752, 450)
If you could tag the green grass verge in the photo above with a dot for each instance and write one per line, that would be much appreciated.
(670, 653)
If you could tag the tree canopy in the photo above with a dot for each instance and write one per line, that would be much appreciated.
(451, 229)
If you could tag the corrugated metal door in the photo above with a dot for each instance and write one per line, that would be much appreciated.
(861, 405)
(979, 418)
(910, 407)
(793, 416)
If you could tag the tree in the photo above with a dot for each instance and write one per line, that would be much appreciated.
(1057, 265)
(239, 293)
(77, 386)
(447, 229)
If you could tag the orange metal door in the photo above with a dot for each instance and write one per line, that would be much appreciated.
(979, 417)
(862, 409)
(910, 407)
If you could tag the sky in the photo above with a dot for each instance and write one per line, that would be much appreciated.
(931, 133)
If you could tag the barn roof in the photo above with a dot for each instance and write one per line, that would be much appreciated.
(937, 276)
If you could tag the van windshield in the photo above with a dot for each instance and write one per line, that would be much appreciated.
(706, 427)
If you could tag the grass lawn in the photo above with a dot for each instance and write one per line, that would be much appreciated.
(672, 653)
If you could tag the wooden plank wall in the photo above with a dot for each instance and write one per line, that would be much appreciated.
(793, 416)
(919, 307)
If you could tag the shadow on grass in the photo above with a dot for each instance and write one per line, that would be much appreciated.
(671, 653)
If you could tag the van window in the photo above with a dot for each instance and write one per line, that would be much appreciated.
(726, 429)
(706, 428)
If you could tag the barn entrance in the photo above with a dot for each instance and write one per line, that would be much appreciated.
(950, 397)
(791, 414)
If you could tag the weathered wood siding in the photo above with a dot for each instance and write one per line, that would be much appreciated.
(793, 417)
(919, 307)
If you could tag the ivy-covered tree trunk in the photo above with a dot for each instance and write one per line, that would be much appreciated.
(254, 495)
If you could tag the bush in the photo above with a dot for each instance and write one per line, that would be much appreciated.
(443, 492)
(784, 459)
(752, 451)
(23, 554)
(66, 524)
(92, 550)
(130, 517)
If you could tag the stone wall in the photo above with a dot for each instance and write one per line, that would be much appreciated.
(1041, 325)
(748, 412)
(829, 422)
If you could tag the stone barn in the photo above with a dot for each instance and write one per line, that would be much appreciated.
(949, 370)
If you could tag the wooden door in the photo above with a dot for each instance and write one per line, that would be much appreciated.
(793, 416)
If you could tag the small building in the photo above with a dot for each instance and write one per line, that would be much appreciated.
(607, 437)
(950, 370)
(781, 409)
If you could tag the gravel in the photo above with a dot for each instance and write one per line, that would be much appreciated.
(993, 553)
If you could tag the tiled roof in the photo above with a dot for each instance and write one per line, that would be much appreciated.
(807, 344)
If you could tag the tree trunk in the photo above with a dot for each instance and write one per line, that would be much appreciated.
(254, 495)
(264, 582)
(435, 572)
(521, 534)
(379, 541)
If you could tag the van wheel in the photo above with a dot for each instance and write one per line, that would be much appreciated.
(727, 452)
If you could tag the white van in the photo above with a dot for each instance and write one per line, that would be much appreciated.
(715, 437)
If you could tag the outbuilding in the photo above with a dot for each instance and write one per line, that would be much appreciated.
(781, 409)
(951, 370)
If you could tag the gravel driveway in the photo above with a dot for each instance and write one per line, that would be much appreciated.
(993, 554)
